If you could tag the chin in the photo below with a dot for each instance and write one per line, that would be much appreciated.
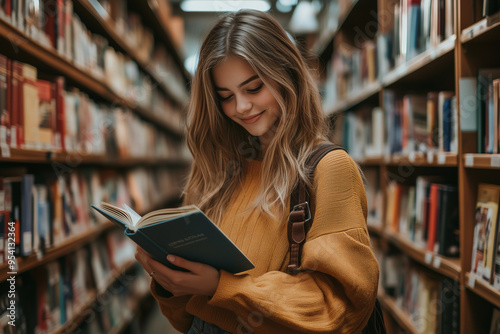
(257, 133)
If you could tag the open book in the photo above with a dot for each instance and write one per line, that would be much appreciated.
(186, 232)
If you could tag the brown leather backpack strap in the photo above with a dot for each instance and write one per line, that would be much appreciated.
(300, 220)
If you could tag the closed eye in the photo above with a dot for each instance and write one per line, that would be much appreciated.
(255, 90)
(224, 99)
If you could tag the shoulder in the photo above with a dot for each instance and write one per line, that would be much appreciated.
(338, 175)
(337, 163)
(338, 195)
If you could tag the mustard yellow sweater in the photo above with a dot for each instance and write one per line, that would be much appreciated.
(336, 296)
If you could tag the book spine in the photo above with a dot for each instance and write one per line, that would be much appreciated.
(433, 216)
(448, 222)
(26, 215)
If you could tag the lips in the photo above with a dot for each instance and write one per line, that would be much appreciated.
(252, 119)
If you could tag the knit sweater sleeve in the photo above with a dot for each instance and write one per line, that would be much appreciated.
(337, 290)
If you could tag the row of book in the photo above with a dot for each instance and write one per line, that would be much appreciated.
(425, 213)
(350, 70)
(417, 26)
(374, 196)
(49, 208)
(363, 133)
(431, 301)
(122, 308)
(479, 108)
(407, 28)
(140, 38)
(51, 295)
(419, 123)
(39, 112)
(56, 25)
(486, 248)
(130, 25)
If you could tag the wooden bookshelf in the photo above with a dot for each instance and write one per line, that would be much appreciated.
(76, 158)
(135, 309)
(401, 317)
(48, 58)
(472, 45)
(20, 46)
(478, 49)
(432, 159)
(483, 289)
(448, 267)
(72, 243)
(481, 161)
(370, 91)
(376, 229)
(85, 310)
(149, 13)
(68, 246)
(371, 161)
(107, 27)
(79, 315)
(484, 31)
(422, 65)
(357, 13)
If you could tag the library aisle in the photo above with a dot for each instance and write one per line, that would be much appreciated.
(93, 101)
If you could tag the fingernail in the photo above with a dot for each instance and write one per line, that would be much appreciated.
(171, 258)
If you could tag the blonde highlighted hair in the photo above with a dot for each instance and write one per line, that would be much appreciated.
(220, 147)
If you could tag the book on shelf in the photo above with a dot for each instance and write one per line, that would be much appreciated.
(485, 109)
(495, 322)
(468, 92)
(485, 227)
(186, 232)
(490, 7)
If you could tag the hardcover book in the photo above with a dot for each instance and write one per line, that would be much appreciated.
(488, 196)
(186, 232)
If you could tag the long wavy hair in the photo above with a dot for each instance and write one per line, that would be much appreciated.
(221, 148)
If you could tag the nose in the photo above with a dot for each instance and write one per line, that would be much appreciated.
(243, 104)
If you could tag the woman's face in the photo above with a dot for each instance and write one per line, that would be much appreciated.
(244, 97)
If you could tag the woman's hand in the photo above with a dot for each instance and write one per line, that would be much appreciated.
(201, 279)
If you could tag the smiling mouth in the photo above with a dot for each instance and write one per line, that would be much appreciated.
(252, 119)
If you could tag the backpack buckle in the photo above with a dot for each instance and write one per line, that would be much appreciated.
(302, 206)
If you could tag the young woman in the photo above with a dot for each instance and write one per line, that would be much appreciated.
(255, 117)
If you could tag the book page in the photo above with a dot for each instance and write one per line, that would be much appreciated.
(165, 214)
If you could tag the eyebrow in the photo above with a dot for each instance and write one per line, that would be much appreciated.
(241, 84)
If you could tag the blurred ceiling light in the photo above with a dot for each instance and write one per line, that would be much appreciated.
(191, 63)
(304, 19)
(283, 6)
(224, 6)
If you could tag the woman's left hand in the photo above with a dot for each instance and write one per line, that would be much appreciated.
(201, 279)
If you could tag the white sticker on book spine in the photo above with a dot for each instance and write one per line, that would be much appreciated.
(496, 283)
(487, 274)
(27, 239)
(472, 281)
(437, 262)
(495, 161)
(469, 161)
(428, 257)
(412, 156)
(441, 159)
(430, 157)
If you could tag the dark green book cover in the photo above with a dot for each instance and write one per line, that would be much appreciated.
(192, 236)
